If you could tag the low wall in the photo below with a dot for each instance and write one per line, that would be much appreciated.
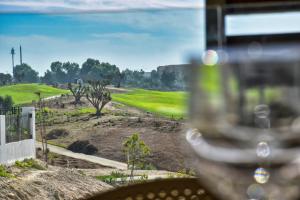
(11, 152)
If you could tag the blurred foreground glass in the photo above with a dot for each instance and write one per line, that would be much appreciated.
(245, 120)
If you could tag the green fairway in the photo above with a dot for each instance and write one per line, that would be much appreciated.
(25, 93)
(169, 104)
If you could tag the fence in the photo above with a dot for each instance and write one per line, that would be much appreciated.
(17, 131)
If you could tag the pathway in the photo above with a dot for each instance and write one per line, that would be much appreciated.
(95, 159)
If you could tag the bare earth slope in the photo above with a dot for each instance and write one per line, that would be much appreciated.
(55, 184)
(108, 133)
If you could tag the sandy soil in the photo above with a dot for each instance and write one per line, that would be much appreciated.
(55, 183)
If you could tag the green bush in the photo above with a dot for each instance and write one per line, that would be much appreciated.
(112, 178)
(6, 103)
(136, 151)
(29, 163)
(4, 172)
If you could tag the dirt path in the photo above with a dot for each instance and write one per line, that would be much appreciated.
(89, 158)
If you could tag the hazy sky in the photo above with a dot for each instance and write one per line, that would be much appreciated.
(169, 32)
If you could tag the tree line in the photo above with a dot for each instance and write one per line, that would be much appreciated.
(92, 70)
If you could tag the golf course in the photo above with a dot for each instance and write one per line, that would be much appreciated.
(26, 93)
(167, 104)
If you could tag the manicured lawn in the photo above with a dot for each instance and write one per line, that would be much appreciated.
(169, 104)
(25, 93)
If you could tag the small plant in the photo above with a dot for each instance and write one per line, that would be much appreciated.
(182, 173)
(4, 172)
(29, 163)
(146, 166)
(136, 151)
(113, 177)
(186, 172)
(144, 177)
(52, 156)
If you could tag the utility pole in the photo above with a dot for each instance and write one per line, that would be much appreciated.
(12, 52)
(21, 55)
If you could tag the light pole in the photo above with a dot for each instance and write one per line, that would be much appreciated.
(12, 52)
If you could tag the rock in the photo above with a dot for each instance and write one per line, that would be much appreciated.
(83, 146)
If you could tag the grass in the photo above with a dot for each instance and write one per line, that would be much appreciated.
(168, 104)
(4, 172)
(117, 178)
(81, 111)
(55, 144)
(25, 93)
(112, 178)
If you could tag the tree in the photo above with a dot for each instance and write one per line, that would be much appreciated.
(61, 73)
(87, 67)
(41, 115)
(6, 103)
(5, 79)
(71, 70)
(58, 72)
(168, 78)
(96, 71)
(155, 79)
(136, 151)
(25, 74)
(78, 91)
(48, 77)
(98, 95)
(133, 78)
(118, 79)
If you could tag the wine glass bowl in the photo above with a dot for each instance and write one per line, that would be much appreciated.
(244, 119)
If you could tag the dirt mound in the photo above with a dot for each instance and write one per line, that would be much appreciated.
(57, 133)
(57, 184)
(83, 146)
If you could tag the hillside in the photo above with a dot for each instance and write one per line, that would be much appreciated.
(25, 93)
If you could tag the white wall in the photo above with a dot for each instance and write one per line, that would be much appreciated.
(11, 152)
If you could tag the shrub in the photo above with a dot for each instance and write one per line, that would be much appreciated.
(136, 151)
(6, 103)
(29, 163)
(4, 172)
(112, 178)
(83, 146)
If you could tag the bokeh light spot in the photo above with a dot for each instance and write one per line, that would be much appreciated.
(261, 175)
(210, 58)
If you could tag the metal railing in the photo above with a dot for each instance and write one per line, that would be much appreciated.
(17, 125)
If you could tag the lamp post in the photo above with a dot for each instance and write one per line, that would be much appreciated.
(12, 52)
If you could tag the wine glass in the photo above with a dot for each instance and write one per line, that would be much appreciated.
(245, 121)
